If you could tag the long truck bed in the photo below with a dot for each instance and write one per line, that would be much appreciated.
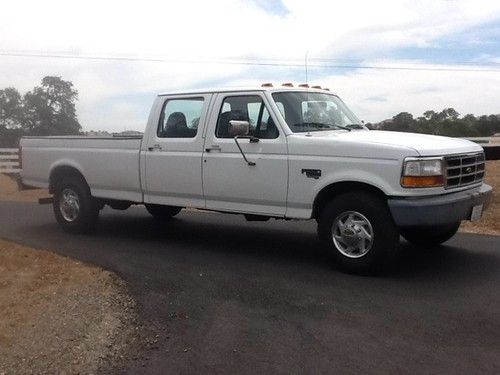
(109, 164)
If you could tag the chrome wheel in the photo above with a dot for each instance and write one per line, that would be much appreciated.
(352, 234)
(69, 205)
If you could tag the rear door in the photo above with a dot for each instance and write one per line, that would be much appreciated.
(230, 183)
(173, 153)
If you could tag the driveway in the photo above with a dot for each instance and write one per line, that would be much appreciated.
(228, 296)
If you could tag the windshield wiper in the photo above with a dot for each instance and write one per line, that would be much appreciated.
(321, 125)
(355, 126)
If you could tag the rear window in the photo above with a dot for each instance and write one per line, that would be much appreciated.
(180, 118)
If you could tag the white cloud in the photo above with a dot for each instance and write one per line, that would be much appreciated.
(380, 94)
(223, 29)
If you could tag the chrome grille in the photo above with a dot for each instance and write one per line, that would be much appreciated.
(464, 170)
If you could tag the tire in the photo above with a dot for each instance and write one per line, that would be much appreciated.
(430, 235)
(75, 209)
(371, 216)
(163, 213)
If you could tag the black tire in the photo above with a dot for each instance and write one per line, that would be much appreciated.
(385, 235)
(430, 235)
(88, 209)
(161, 212)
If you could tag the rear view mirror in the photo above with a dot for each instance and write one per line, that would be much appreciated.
(237, 128)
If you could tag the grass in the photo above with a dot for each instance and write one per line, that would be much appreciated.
(490, 222)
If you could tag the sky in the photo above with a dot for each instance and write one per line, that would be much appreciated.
(381, 57)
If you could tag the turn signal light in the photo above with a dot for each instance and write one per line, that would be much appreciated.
(421, 181)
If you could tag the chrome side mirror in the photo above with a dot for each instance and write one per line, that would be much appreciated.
(238, 128)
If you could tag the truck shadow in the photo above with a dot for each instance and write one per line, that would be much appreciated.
(289, 242)
(209, 237)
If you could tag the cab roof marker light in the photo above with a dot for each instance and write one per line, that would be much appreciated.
(326, 89)
(267, 84)
(304, 85)
(287, 84)
(316, 87)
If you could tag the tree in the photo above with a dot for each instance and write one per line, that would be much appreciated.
(403, 122)
(11, 111)
(447, 122)
(50, 108)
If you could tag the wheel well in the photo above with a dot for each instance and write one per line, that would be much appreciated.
(330, 191)
(59, 173)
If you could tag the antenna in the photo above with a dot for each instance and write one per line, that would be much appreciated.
(305, 63)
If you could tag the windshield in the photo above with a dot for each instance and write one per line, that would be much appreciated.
(314, 111)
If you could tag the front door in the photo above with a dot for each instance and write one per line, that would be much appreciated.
(229, 182)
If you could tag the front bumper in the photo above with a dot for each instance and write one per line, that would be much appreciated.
(436, 210)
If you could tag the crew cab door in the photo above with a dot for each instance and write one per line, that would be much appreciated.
(230, 183)
(172, 155)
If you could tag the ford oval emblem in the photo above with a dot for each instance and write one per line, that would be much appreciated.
(468, 170)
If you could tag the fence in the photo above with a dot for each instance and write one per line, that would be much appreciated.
(491, 146)
(9, 160)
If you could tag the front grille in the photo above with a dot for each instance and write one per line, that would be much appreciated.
(464, 170)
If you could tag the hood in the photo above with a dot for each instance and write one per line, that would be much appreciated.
(424, 144)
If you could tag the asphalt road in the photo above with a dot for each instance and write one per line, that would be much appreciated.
(227, 296)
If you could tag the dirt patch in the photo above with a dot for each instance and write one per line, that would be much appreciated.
(490, 222)
(59, 315)
(9, 191)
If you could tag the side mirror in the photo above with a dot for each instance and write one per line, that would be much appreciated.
(237, 128)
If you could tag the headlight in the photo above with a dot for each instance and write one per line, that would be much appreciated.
(422, 172)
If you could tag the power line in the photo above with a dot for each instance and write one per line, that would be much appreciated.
(265, 63)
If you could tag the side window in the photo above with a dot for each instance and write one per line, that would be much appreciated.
(249, 108)
(180, 118)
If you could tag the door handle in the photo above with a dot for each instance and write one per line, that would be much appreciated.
(213, 148)
(155, 147)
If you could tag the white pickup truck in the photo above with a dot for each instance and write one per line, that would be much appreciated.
(270, 152)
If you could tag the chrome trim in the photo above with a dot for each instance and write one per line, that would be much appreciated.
(464, 170)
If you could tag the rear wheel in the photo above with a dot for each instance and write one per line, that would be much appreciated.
(75, 209)
(430, 235)
(161, 212)
(359, 231)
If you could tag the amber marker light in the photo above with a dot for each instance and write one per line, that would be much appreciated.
(422, 181)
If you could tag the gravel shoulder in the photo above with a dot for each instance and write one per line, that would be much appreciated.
(490, 222)
(60, 315)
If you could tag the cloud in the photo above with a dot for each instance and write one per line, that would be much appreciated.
(198, 34)
(416, 91)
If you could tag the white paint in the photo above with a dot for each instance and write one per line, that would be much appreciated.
(183, 173)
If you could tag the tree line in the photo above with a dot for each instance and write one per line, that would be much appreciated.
(48, 109)
(447, 122)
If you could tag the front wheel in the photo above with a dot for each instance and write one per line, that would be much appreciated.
(359, 231)
(430, 235)
(161, 212)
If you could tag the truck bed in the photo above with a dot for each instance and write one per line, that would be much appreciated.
(110, 165)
